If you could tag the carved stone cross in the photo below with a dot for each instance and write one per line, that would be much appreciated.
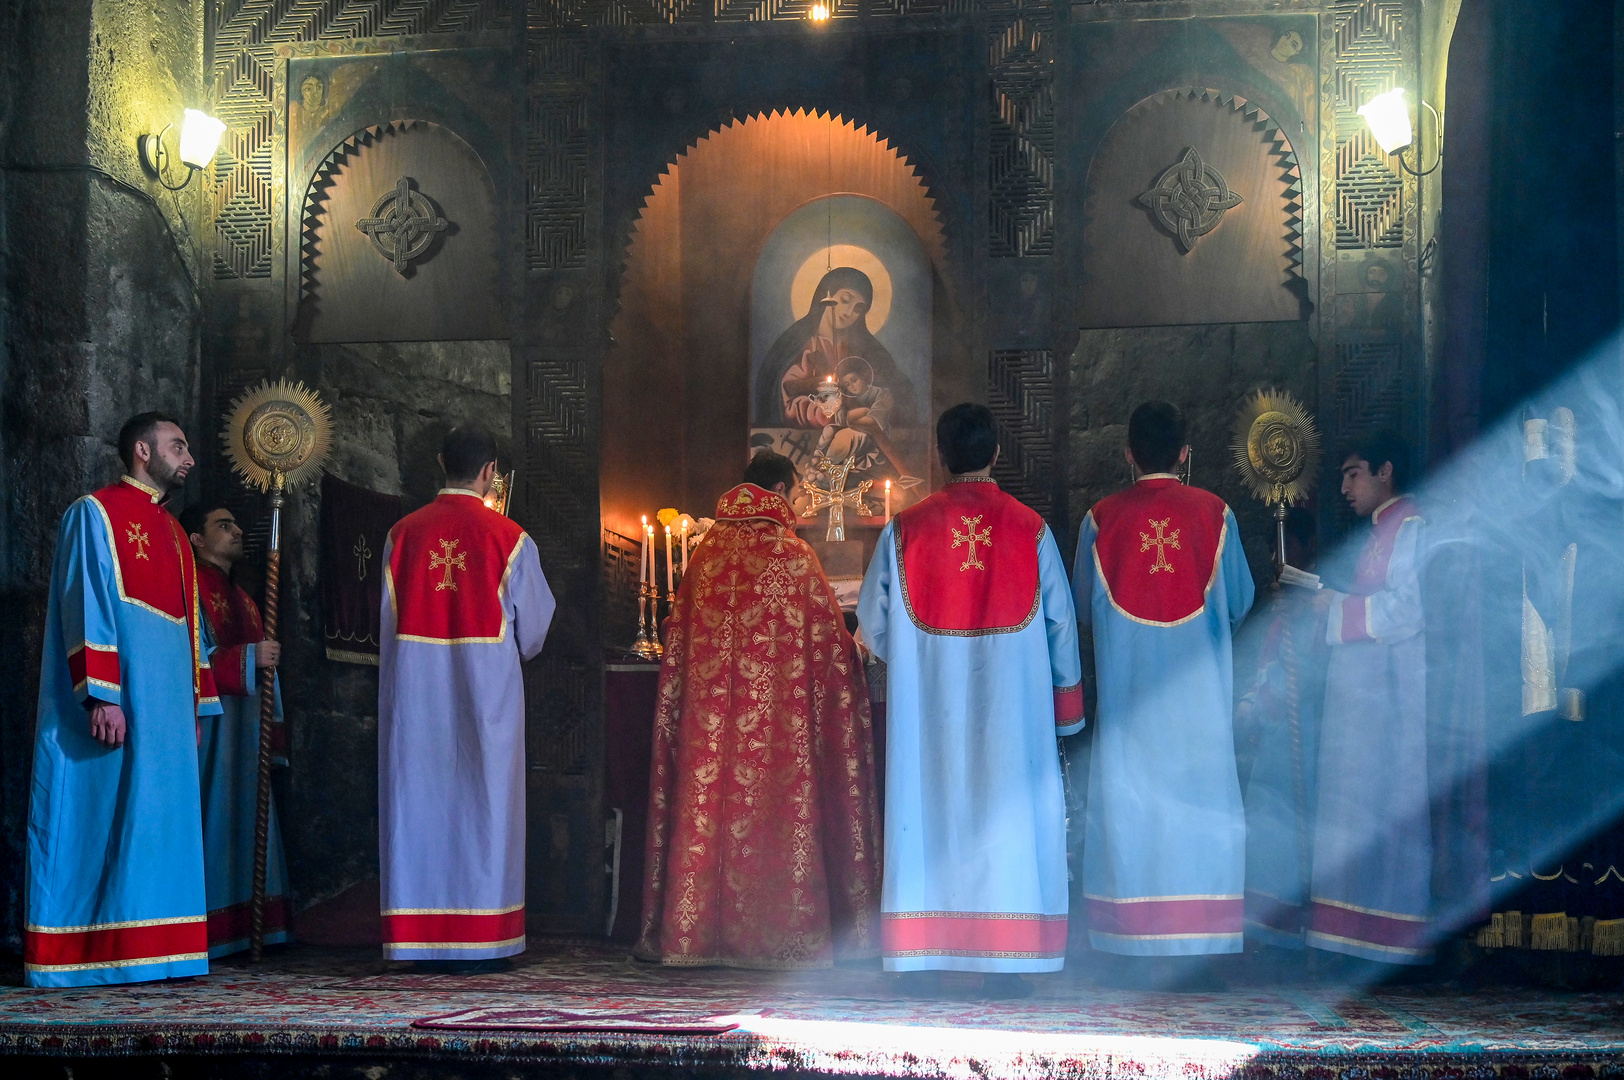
(836, 497)
(403, 224)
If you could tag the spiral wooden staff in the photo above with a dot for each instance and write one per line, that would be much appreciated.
(278, 434)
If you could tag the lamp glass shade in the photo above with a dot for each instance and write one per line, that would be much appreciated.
(199, 138)
(1388, 117)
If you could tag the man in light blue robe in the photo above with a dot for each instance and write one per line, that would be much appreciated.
(115, 839)
(1161, 578)
(465, 602)
(966, 601)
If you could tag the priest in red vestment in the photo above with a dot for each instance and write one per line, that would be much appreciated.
(228, 751)
(762, 815)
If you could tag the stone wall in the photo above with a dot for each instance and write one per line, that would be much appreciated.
(98, 305)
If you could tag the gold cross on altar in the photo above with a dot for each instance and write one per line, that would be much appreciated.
(835, 496)
(448, 560)
(362, 553)
(1161, 543)
(138, 536)
(974, 538)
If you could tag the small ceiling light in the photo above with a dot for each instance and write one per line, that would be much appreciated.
(199, 139)
(1388, 117)
(818, 13)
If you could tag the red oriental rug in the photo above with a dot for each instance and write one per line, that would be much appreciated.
(647, 1022)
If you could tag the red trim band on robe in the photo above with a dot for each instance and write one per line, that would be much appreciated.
(1369, 929)
(1068, 705)
(981, 934)
(1353, 621)
(1274, 914)
(1183, 917)
(1157, 549)
(234, 923)
(94, 664)
(447, 571)
(115, 944)
(967, 558)
(451, 929)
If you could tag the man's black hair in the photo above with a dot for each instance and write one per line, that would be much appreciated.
(142, 427)
(1378, 448)
(967, 438)
(467, 449)
(1156, 434)
(768, 470)
(194, 517)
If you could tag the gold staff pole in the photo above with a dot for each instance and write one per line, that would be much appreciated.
(278, 434)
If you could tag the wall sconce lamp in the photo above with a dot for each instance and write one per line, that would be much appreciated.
(1388, 117)
(818, 13)
(199, 138)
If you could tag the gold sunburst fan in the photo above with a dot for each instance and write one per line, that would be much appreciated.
(278, 428)
(1276, 448)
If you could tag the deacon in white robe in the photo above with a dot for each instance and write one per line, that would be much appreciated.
(966, 600)
(465, 602)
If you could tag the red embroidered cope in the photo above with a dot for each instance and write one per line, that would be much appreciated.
(234, 618)
(448, 567)
(968, 560)
(1157, 549)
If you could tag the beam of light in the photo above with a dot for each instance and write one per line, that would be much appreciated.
(972, 1053)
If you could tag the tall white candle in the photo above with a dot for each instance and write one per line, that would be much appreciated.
(642, 554)
(684, 549)
(888, 500)
(670, 581)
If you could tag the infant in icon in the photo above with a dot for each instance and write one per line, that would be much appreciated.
(855, 413)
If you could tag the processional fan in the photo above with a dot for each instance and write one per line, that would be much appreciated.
(278, 434)
(1277, 453)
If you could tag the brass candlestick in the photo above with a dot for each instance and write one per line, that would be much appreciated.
(647, 645)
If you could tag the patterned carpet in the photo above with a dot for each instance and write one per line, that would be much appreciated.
(852, 1022)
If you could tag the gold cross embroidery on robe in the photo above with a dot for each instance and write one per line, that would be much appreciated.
(972, 539)
(220, 605)
(138, 536)
(1161, 543)
(449, 561)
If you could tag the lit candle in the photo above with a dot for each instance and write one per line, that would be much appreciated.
(642, 556)
(685, 549)
(888, 500)
(670, 583)
(648, 531)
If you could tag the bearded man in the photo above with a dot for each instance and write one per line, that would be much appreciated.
(115, 836)
(228, 754)
(761, 842)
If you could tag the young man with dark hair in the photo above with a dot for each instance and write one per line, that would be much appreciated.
(228, 752)
(761, 848)
(1372, 882)
(1161, 578)
(966, 601)
(465, 602)
(115, 840)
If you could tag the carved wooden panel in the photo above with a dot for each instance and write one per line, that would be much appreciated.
(555, 153)
(399, 240)
(1020, 393)
(242, 37)
(1172, 238)
(1369, 61)
(1020, 174)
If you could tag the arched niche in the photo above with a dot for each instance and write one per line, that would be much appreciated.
(443, 283)
(677, 377)
(1241, 262)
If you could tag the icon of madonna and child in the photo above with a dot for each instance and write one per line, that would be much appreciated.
(829, 390)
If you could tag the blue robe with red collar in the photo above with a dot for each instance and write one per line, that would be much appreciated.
(1161, 577)
(115, 836)
(966, 601)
